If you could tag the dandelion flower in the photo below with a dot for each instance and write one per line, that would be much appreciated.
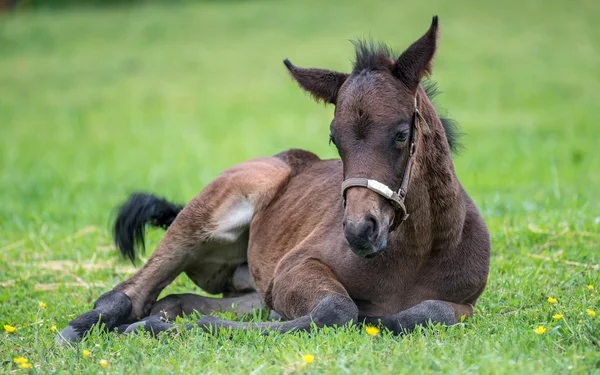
(540, 330)
(42, 305)
(590, 287)
(372, 331)
(25, 365)
(53, 328)
(104, 363)
(308, 358)
(20, 360)
(85, 353)
(557, 316)
(9, 329)
(590, 312)
(552, 300)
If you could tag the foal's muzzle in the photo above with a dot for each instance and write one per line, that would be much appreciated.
(366, 222)
(365, 236)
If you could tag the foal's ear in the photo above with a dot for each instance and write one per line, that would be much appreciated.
(417, 60)
(320, 83)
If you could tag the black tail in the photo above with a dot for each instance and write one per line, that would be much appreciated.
(139, 210)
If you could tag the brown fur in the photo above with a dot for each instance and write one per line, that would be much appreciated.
(288, 221)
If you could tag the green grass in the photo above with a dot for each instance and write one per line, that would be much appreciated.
(95, 104)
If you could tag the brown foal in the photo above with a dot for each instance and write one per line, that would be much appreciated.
(401, 245)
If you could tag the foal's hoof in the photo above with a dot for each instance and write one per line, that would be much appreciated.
(152, 324)
(111, 309)
(67, 336)
(78, 327)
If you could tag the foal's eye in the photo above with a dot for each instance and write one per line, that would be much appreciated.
(402, 136)
(331, 140)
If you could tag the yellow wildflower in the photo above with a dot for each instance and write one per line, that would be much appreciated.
(25, 365)
(557, 316)
(308, 358)
(42, 305)
(552, 300)
(9, 329)
(372, 331)
(540, 330)
(590, 287)
(53, 328)
(20, 360)
(104, 363)
(86, 353)
(590, 312)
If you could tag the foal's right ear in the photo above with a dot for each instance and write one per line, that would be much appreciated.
(417, 60)
(321, 84)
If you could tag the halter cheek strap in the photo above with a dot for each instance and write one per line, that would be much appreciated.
(397, 198)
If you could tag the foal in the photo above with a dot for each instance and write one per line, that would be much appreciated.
(385, 235)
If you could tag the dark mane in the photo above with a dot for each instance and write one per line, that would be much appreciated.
(371, 56)
(453, 133)
(377, 56)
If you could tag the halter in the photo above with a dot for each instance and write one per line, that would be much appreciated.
(397, 198)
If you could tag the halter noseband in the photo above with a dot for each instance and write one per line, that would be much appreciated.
(397, 198)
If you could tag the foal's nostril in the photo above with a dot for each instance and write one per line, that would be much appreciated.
(372, 225)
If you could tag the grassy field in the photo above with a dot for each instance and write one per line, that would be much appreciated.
(96, 103)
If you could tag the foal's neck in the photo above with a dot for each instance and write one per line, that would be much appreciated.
(435, 198)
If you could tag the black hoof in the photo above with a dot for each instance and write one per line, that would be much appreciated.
(111, 309)
(67, 336)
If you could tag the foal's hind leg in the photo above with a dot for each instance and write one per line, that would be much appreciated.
(207, 240)
(240, 298)
(175, 305)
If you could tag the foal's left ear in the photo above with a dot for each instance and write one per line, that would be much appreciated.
(321, 84)
(417, 60)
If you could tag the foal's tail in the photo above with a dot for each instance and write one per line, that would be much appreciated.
(139, 210)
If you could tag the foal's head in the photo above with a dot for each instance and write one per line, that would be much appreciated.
(371, 128)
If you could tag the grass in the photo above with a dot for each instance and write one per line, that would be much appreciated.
(96, 103)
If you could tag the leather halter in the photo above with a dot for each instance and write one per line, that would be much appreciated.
(397, 198)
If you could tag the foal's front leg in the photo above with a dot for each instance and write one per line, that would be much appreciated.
(307, 292)
(429, 311)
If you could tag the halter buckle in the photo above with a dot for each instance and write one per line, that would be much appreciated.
(402, 193)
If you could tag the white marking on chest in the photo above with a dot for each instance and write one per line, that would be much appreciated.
(234, 220)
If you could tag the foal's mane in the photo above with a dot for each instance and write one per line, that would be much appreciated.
(372, 56)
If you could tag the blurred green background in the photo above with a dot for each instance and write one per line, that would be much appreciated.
(99, 99)
(96, 102)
